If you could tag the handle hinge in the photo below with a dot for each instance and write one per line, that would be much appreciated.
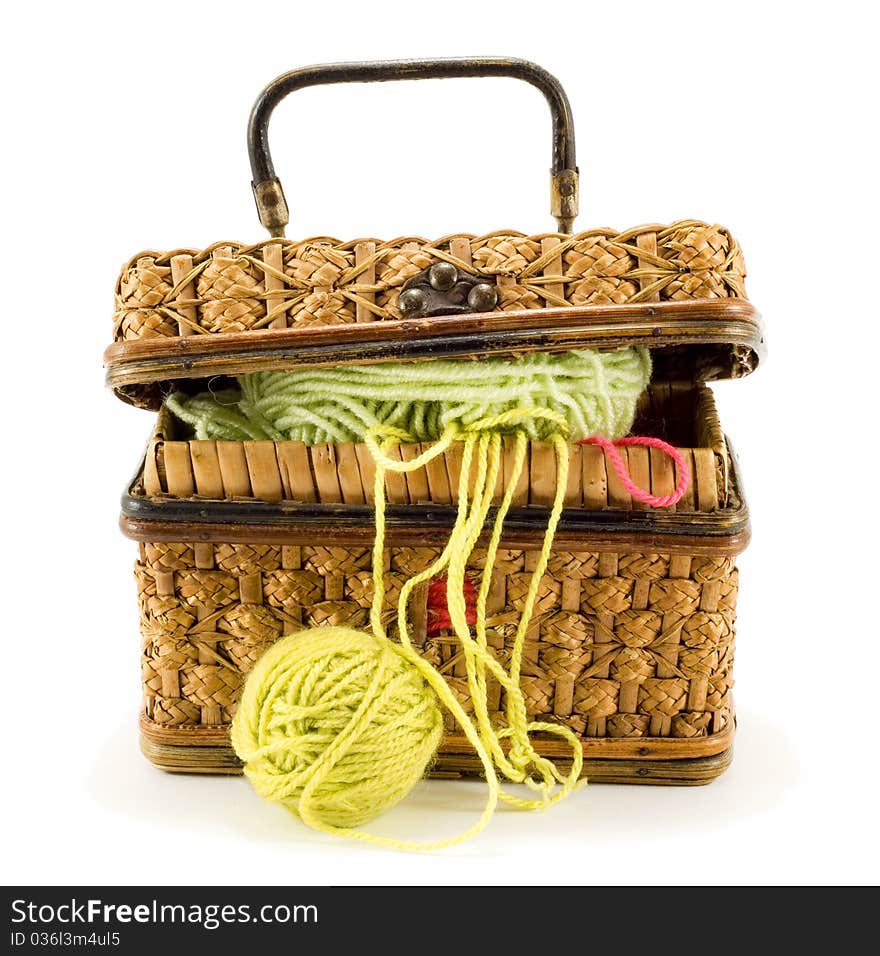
(564, 187)
(271, 205)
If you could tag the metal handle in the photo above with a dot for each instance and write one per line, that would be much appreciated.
(268, 193)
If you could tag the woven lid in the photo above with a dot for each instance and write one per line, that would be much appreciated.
(232, 309)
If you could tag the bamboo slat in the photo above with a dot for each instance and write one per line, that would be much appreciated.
(344, 473)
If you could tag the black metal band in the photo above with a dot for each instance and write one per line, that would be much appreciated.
(262, 168)
(657, 525)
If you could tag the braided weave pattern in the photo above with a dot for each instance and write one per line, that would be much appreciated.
(232, 288)
(625, 645)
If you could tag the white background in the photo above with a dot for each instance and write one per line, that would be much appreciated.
(123, 129)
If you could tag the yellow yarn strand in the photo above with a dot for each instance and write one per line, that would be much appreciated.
(338, 725)
(484, 438)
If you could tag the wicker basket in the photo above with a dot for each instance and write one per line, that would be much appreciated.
(631, 644)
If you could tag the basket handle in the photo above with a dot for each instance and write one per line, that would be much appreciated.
(268, 193)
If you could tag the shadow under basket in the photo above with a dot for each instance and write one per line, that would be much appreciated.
(630, 645)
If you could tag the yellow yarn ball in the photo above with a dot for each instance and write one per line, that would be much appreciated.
(336, 725)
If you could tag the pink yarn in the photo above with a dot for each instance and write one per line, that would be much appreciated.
(639, 494)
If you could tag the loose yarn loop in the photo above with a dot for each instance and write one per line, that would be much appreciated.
(594, 392)
(639, 494)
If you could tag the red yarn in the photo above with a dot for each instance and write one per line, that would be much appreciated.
(639, 494)
(438, 609)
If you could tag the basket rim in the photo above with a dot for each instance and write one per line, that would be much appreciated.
(726, 531)
(725, 336)
(607, 748)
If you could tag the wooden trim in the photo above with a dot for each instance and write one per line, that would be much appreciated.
(705, 313)
(690, 772)
(732, 324)
(686, 772)
(657, 760)
(608, 748)
(617, 748)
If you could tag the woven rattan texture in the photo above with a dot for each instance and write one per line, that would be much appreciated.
(280, 283)
(621, 645)
(681, 412)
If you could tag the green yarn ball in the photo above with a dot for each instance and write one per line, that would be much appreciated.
(336, 725)
(596, 392)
